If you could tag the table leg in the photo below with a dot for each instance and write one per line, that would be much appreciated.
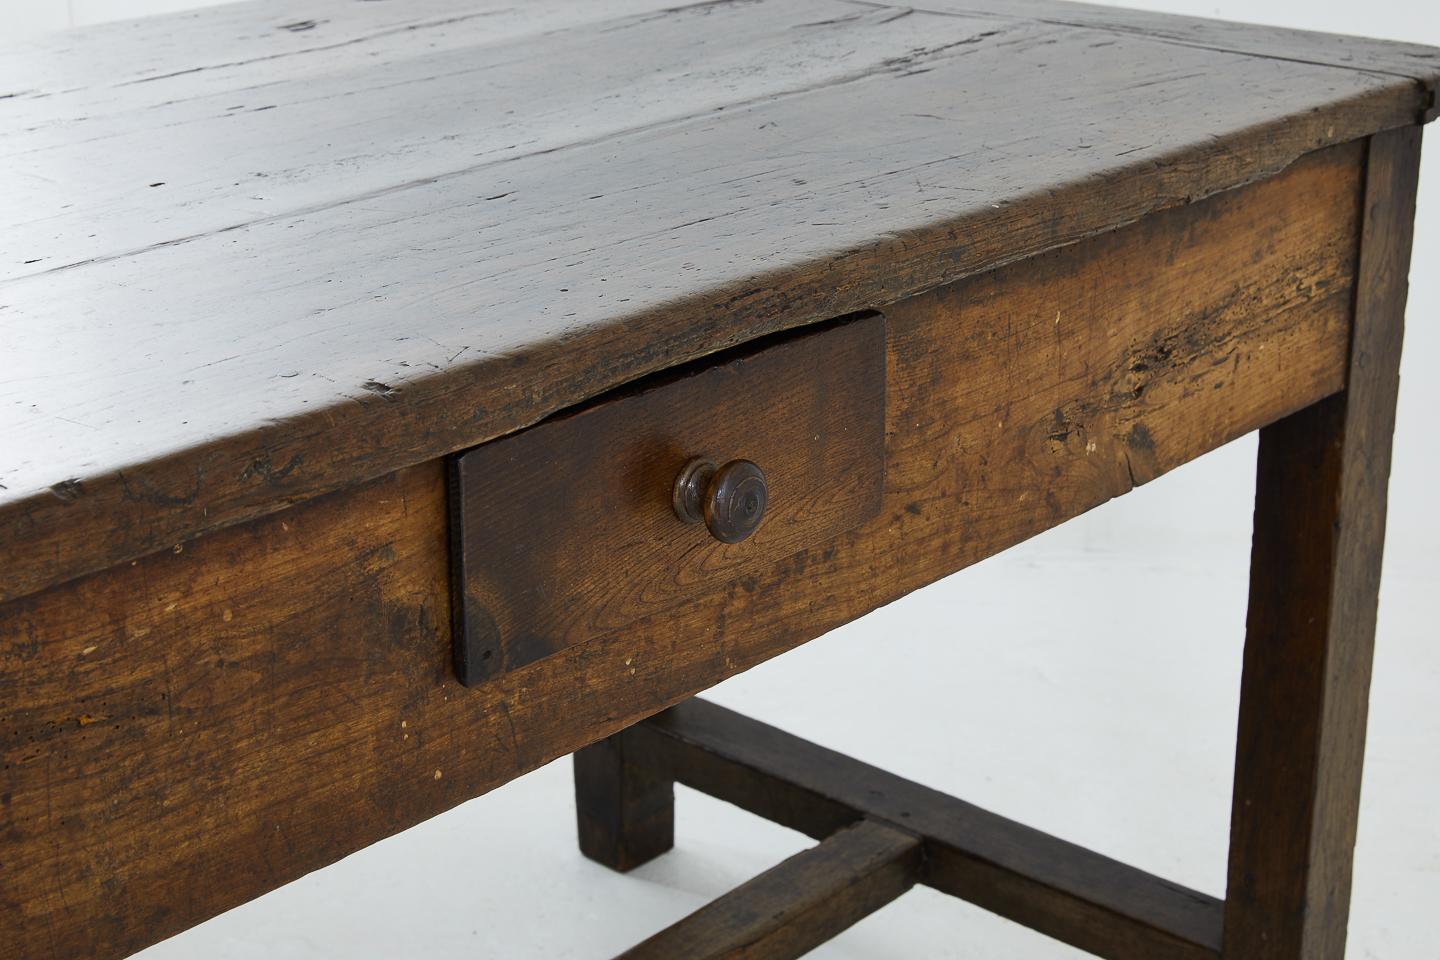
(1314, 582)
(625, 812)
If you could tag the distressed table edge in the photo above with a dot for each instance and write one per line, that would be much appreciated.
(49, 535)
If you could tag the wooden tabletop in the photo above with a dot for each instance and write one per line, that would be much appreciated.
(249, 259)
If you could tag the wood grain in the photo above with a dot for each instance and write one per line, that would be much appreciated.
(566, 531)
(625, 815)
(97, 69)
(200, 726)
(205, 329)
(1088, 900)
(357, 125)
(1410, 60)
(1310, 633)
(797, 905)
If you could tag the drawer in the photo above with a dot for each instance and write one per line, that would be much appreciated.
(573, 529)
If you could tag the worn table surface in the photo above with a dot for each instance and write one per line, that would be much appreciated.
(247, 259)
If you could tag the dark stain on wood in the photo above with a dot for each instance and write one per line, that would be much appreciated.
(1078, 896)
(567, 531)
(1320, 509)
(797, 905)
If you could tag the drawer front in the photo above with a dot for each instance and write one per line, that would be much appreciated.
(570, 530)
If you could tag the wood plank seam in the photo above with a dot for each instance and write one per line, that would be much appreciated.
(1307, 47)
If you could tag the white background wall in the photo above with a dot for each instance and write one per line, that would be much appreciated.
(1085, 683)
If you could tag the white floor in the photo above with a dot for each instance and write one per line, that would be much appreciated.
(1083, 690)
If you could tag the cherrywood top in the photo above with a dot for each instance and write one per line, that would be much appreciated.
(248, 259)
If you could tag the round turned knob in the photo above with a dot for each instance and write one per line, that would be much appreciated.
(730, 500)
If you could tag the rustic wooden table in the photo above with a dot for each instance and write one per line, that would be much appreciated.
(402, 397)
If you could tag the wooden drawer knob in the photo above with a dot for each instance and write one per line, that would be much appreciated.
(729, 500)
